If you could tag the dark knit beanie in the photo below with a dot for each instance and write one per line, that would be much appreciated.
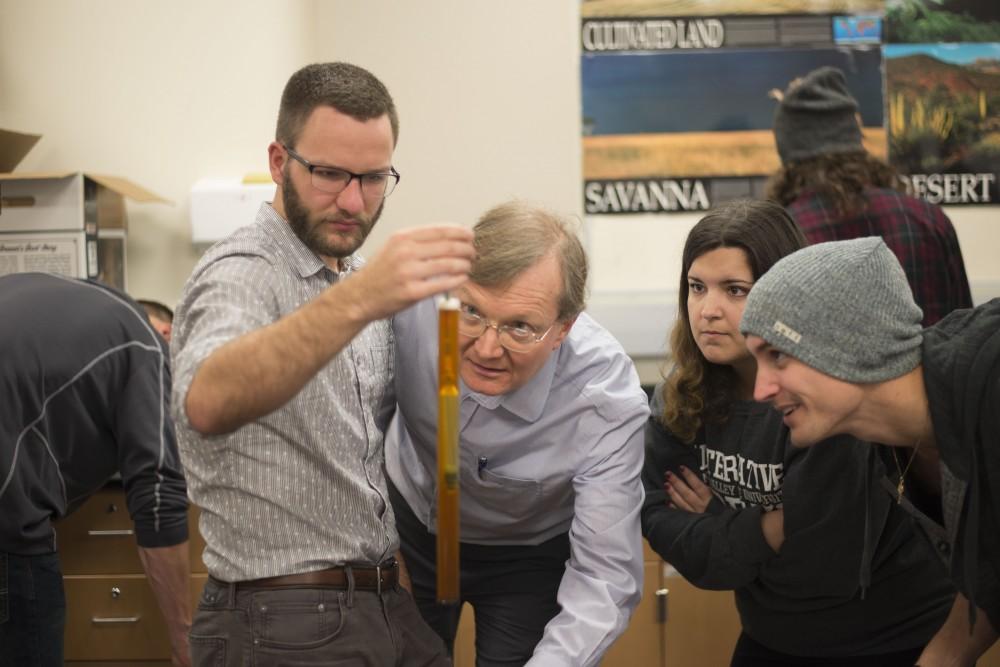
(843, 307)
(817, 117)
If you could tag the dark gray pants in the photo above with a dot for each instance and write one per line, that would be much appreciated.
(511, 588)
(299, 627)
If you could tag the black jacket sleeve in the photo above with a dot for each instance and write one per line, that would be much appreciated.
(147, 452)
(721, 549)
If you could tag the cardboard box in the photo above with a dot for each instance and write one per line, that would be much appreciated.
(64, 253)
(52, 215)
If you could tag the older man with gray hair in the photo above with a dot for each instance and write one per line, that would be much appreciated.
(551, 432)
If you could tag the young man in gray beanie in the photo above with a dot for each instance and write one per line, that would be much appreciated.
(839, 349)
(835, 190)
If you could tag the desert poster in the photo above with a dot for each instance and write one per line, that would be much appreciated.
(944, 119)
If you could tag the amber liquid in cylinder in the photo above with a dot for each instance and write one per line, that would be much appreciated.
(448, 458)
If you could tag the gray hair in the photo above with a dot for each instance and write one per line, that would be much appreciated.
(514, 236)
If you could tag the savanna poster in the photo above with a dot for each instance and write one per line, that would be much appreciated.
(678, 95)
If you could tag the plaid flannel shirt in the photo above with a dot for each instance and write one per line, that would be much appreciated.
(918, 233)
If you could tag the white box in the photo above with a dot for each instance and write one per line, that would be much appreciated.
(220, 206)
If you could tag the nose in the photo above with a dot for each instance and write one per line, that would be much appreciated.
(765, 386)
(710, 309)
(350, 200)
(488, 344)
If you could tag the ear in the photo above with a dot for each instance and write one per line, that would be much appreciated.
(277, 158)
(563, 331)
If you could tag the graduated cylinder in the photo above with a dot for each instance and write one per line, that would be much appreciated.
(448, 457)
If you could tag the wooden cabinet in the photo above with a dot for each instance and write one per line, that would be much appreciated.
(112, 618)
(675, 624)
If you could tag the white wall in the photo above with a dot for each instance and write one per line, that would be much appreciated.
(160, 92)
(488, 94)
(488, 97)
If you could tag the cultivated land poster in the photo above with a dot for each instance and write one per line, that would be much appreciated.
(678, 106)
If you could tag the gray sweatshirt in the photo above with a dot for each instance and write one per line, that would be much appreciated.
(84, 391)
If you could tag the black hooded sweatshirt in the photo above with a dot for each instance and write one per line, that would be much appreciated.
(854, 576)
(961, 367)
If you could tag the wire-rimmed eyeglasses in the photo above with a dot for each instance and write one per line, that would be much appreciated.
(513, 338)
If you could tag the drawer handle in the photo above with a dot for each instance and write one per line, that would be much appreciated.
(111, 533)
(116, 619)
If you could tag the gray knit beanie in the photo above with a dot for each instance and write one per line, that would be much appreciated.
(844, 308)
(817, 117)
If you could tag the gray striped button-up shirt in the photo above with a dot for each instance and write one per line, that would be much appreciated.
(302, 488)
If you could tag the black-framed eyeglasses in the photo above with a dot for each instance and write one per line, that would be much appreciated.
(513, 338)
(334, 180)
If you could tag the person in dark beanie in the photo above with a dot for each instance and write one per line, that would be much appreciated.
(836, 190)
(840, 350)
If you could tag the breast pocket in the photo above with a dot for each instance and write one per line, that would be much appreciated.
(499, 501)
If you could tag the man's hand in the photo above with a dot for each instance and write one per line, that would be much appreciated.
(168, 571)
(257, 373)
(404, 574)
(954, 645)
(413, 265)
(688, 492)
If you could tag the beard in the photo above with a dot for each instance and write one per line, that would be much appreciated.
(309, 229)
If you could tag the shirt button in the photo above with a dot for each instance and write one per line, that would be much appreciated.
(944, 548)
(321, 607)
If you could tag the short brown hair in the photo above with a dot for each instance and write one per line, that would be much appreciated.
(514, 236)
(156, 309)
(347, 88)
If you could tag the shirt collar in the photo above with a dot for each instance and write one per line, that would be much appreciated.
(526, 402)
(305, 261)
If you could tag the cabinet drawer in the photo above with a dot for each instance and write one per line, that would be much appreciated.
(144, 638)
(99, 537)
(113, 618)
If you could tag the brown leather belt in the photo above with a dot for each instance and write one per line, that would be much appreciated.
(366, 577)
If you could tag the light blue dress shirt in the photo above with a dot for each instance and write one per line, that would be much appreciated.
(562, 453)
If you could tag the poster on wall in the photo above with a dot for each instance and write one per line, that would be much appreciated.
(943, 88)
(643, 8)
(942, 21)
(677, 96)
(944, 119)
